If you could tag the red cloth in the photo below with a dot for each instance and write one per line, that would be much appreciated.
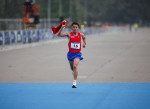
(56, 29)
(74, 39)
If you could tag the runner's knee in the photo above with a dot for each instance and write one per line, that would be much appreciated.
(74, 66)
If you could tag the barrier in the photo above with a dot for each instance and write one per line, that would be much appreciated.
(1, 38)
(28, 36)
(24, 36)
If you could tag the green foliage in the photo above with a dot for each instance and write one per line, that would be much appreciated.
(126, 11)
(13, 8)
(55, 8)
(43, 7)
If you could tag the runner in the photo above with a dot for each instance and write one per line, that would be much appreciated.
(74, 54)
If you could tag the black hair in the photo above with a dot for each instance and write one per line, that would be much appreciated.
(75, 23)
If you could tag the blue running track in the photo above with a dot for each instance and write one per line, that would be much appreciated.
(86, 96)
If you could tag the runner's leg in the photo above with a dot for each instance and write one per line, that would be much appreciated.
(71, 65)
(75, 64)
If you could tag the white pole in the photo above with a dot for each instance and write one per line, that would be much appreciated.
(49, 13)
(60, 8)
(78, 9)
(70, 10)
(85, 10)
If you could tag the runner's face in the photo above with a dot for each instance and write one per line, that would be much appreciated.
(75, 28)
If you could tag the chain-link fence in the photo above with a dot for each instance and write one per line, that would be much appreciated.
(17, 24)
(11, 24)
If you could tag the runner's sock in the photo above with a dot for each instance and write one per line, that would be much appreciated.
(75, 82)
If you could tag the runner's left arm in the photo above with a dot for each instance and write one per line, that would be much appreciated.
(84, 39)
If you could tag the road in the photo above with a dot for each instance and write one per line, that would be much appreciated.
(108, 58)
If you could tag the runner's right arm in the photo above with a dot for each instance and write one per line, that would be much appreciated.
(62, 34)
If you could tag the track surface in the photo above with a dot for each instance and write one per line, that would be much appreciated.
(114, 74)
(86, 96)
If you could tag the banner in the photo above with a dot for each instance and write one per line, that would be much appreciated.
(1, 38)
(34, 35)
(20, 36)
(12, 35)
(7, 38)
(48, 34)
(43, 34)
(15, 33)
(40, 34)
(25, 36)
(10, 38)
(29, 36)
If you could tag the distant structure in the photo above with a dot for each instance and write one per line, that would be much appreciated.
(30, 14)
(130, 27)
(136, 26)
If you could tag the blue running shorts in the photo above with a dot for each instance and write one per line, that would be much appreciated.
(72, 56)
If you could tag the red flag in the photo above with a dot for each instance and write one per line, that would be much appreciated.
(56, 29)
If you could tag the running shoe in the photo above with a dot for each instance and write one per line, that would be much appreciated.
(74, 86)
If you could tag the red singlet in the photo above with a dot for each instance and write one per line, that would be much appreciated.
(74, 43)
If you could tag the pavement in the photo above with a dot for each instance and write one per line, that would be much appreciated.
(114, 74)
(110, 58)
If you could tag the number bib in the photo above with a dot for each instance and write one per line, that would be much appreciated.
(75, 45)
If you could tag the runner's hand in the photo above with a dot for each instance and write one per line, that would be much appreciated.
(63, 25)
(83, 45)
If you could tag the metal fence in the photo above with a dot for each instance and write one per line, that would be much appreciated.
(17, 24)
(28, 36)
